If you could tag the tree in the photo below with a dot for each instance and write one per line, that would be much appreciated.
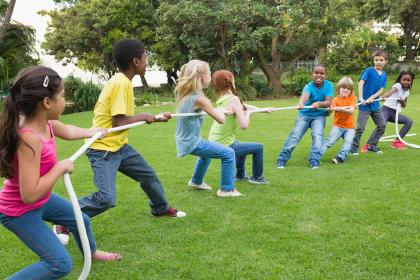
(241, 35)
(6, 19)
(16, 49)
(86, 31)
(350, 52)
(403, 12)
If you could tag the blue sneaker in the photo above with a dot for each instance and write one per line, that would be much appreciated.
(280, 164)
(314, 165)
(259, 181)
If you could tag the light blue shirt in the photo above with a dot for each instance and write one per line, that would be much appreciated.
(187, 133)
(316, 95)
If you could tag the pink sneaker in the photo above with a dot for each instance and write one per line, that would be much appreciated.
(397, 144)
(365, 148)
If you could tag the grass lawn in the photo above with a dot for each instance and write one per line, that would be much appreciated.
(359, 220)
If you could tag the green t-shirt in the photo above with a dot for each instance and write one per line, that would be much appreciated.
(224, 133)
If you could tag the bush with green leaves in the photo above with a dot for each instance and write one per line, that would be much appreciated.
(294, 81)
(85, 97)
(264, 90)
(71, 85)
(352, 52)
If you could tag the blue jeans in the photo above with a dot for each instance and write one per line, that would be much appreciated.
(128, 161)
(302, 123)
(336, 133)
(30, 228)
(207, 150)
(242, 149)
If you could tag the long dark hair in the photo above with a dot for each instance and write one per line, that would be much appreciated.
(402, 73)
(31, 86)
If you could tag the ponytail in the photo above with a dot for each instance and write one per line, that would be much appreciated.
(31, 86)
(9, 140)
(223, 80)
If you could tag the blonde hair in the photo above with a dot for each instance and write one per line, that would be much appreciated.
(190, 78)
(345, 82)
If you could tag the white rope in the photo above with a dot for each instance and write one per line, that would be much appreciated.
(72, 195)
(390, 138)
(87, 254)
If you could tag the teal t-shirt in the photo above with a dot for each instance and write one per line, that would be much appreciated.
(316, 95)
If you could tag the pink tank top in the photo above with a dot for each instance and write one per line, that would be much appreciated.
(11, 203)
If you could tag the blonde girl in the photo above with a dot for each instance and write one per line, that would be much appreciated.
(195, 76)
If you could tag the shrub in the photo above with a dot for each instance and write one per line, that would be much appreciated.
(71, 85)
(294, 81)
(245, 89)
(262, 87)
(85, 97)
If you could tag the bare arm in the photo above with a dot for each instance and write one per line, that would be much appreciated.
(360, 87)
(31, 185)
(376, 95)
(302, 100)
(205, 104)
(242, 117)
(119, 120)
(70, 132)
(324, 104)
(389, 92)
(347, 109)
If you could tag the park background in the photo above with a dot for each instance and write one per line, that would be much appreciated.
(358, 220)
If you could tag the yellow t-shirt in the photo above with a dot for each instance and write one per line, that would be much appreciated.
(117, 98)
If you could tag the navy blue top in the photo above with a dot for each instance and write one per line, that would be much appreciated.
(316, 95)
(373, 82)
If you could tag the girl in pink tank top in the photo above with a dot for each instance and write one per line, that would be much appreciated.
(28, 160)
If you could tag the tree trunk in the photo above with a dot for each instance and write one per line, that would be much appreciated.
(144, 82)
(272, 75)
(6, 20)
(410, 42)
(171, 76)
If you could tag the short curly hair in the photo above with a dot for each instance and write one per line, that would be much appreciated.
(125, 51)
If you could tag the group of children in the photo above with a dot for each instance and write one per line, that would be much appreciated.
(317, 95)
(30, 122)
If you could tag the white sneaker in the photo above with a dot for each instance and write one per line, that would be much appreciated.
(202, 186)
(62, 234)
(232, 193)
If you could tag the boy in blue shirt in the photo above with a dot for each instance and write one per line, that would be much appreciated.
(318, 94)
(371, 85)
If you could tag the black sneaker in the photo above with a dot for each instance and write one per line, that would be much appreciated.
(259, 181)
(337, 160)
(314, 165)
(374, 149)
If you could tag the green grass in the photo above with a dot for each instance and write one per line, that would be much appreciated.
(359, 220)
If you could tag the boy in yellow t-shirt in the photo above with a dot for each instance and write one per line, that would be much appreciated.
(115, 107)
(343, 106)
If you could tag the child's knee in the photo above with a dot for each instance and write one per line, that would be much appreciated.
(229, 154)
(106, 201)
(60, 266)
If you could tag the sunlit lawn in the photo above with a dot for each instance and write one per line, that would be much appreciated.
(359, 220)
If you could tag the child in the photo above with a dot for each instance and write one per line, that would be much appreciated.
(343, 107)
(224, 83)
(194, 77)
(115, 107)
(28, 126)
(371, 84)
(318, 94)
(401, 89)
